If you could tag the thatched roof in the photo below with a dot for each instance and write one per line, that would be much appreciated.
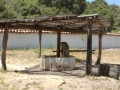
(59, 23)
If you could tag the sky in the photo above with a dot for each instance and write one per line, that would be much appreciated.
(117, 2)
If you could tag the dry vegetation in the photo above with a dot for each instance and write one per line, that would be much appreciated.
(21, 58)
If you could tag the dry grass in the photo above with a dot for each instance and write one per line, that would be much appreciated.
(21, 58)
(28, 57)
(111, 56)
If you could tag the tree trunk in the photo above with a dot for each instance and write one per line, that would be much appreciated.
(89, 49)
(4, 46)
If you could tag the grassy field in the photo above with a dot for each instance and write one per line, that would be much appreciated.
(20, 58)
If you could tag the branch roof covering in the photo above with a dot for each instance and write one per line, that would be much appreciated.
(58, 23)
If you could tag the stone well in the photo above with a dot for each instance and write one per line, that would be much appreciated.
(53, 63)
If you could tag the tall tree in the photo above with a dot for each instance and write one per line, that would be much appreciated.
(79, 6)
(4, 12)
(2, 6)
(26, 10)
(75, 6)
(116, 14)
(46, 2)
(100, 7)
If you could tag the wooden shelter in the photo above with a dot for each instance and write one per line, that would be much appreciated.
(59, 23)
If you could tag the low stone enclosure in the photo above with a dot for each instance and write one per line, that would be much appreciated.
(60, 23)
(53, 63)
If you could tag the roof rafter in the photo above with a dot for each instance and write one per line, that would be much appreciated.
(58, 23)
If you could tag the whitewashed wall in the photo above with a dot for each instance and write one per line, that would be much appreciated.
(50, 40)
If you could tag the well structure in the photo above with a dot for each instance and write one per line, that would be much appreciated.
(88, 24)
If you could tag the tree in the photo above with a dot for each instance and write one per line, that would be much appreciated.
(2, 6)
(115, 10)
(97, 6)
(48, 10)
(64, 11)
(46, 2)
(102, 8)
(79, 6)
(34, 9)
(5, 13)
(26, 10)
(74, 6)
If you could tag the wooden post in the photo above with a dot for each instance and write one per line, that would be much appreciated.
(99, 49)
(40, 36)
(4, 46)
(118, 73)
(58, 43)
(89, 49)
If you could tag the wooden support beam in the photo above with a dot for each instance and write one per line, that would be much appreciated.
(89, 49)
(58, 43)
(4, 46)
(75, 51)
(40, 37)
(99, 49)
(32, 27)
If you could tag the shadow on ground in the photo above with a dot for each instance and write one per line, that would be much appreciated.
(79, 70)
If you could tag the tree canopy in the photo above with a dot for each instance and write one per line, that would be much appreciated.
(102, 8)
(5, 12)
(35, 8)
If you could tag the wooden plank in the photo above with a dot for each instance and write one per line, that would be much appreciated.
(101, 24)
(49, 18)
(103, 69)
(75, 51)
(40, 37)
(4, 46)
(58, 43)
(89, 49)
(32, 27)
(87, 16)
(99, 49)
(64, 48)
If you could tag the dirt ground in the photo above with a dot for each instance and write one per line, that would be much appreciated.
(27, 76)
(31, 78)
